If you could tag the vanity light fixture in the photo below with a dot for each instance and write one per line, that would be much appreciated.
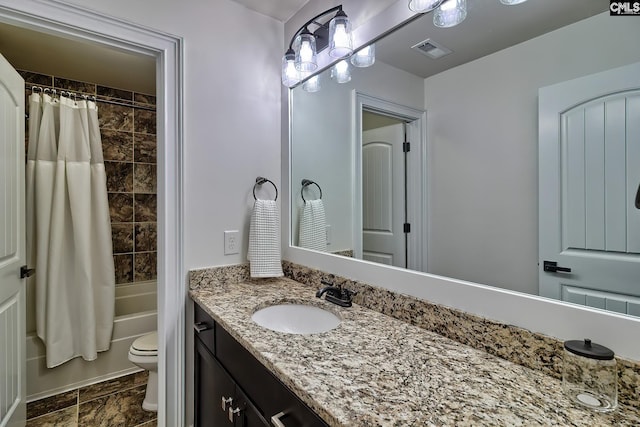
(450, 13)
(312, 85)
(305, 52)
(424, 6)
(301, 57)
(340, 72)
(365, 57)
(340, 44)
(290, 76)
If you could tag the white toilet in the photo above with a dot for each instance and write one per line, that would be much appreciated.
(144, 353)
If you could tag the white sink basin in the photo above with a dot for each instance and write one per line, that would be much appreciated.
(296, 319)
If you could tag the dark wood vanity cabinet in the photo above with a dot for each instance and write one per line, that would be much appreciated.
(218, 399)
(225, 370)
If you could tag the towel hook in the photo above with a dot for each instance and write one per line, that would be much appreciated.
(261, 180)
(305, 183)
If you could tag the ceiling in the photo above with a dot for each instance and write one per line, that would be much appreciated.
(489, 27)
(282, 10)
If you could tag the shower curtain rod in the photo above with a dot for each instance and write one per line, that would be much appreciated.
(71, 94)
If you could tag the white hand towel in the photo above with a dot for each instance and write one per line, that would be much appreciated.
(313, 226)
(264, 240)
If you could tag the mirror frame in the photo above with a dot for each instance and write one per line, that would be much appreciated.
(550, 317)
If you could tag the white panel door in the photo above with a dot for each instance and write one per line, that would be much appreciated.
(589, 170)
(12, 248)
(383, 195)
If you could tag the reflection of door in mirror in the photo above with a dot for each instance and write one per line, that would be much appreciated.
(390, 195)
(390, 171)
(384, 208)
(589, 146)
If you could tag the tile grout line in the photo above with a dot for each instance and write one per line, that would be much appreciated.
(78, 408)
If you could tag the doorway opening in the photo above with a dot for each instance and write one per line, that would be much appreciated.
(123, 85)
(390, 183)
(76, 24)
(385, 226)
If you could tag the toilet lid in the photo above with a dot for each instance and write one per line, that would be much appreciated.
(147, 342)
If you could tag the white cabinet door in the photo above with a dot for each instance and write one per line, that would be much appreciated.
(589, 174)
(12, 248)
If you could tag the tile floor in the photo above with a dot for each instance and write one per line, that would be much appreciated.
(113, 403)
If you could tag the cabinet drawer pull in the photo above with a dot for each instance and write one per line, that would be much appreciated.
(201, 327)
(233, 413)
(275, 420)
(226, 401)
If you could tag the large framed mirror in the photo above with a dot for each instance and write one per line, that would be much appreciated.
(469, 185)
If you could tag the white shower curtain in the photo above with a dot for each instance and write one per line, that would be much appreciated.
(68, 229)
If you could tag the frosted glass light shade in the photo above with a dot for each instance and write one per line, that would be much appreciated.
(450, 13)
(340, 72)
(305, 52)
(365, 57)
(312, 85)
(512, 2)
(340, 44)
(290, 76)
(423, 6)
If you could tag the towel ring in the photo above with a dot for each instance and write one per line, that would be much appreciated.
(306, 183)
(259, 181)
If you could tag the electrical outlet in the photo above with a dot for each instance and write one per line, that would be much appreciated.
(231, 242)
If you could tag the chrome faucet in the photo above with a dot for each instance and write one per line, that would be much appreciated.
(336, 294)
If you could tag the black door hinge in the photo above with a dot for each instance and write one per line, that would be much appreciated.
(407, 227)
(406, 147)
(26, 272)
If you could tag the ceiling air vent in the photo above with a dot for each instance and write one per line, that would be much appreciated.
(431, 49)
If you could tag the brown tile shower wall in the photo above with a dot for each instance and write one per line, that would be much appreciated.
(129, 148)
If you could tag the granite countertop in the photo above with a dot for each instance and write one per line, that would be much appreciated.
(374, 370)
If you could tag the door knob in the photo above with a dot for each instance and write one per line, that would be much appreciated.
(552, 267)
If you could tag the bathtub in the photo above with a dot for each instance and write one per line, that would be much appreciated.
(135, 315)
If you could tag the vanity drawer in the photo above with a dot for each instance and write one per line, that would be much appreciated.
(268, 393)
(204, 328)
